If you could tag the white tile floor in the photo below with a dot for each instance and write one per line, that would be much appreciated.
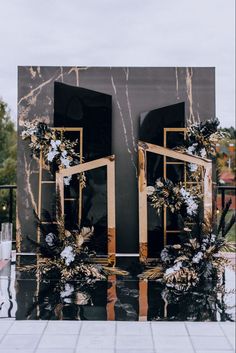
(115, 337)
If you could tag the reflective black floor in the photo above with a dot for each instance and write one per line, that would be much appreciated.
(26, 297)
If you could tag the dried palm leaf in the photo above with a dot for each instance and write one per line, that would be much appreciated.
(152, 273)
(114, 271)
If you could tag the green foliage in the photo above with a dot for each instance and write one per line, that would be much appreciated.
(8, 141)
(8, 146)
(231, 131)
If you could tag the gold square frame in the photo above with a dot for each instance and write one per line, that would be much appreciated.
(108, 162)
(143, 149)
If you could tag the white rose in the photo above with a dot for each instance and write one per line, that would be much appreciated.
(150, 190)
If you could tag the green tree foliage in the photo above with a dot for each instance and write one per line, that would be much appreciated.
(7, 146)
(8, 141)
(231, 131)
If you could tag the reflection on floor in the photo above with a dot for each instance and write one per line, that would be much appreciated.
(26, 297)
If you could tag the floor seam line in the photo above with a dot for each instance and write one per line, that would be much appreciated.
(219, 324)
(190, 338)
(37, 345)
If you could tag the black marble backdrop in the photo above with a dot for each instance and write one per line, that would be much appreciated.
(134, 91)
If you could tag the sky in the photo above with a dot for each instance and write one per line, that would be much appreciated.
(120, 33)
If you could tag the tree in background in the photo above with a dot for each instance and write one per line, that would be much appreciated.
(8, 141)
(226, 155)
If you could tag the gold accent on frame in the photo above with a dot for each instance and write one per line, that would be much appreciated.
(42, 166)
(143, 149)
(108, 162)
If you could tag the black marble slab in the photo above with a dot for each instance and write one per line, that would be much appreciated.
(133, 90)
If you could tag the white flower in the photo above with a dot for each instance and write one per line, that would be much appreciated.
(64, 154)
(196, 259)
(69, 289)
(50, 239)
(203, 152)
(52, 154)
(192, 167)
(174, 269)
(159, 184)
(150, 190)
(65, 162)
(191, 150)
(192, 206)
(67, 180)
(55, 144)
(68, 255)
(213, 238)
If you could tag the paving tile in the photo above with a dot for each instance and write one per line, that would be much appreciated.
(134, 328)
(105, 328)
(210, 343)
(134, 341)
(128, 350)
(229, 331)
(172, 343)
(217, 351)
(95, 342)
(56, 350)
(5, 350)
(27, 327)
(58, 341)
(63, 327)
(175, 350)
(23, 342)
(103, 350)
(169, 329)
(204, 329)
(5, 325)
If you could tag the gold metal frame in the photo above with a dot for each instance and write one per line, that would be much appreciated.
(108, 162)
(143, 149)
(41, 167)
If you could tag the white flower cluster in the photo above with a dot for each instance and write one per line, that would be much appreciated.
(68, 254)
(192, 167)
(190, 202)
(197, 258)
(53, 149)
(193, 151)
(50, 237)
(65, 161)
(29, 131)
(174, 268)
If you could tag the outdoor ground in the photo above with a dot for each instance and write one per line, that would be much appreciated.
(116, 337)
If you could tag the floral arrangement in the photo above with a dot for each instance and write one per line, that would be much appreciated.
(174, 196)
(201, 138)
(196, 258)
(65, 253)
(57, 151)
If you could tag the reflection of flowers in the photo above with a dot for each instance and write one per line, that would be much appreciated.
(68, 254)
(68, 290)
